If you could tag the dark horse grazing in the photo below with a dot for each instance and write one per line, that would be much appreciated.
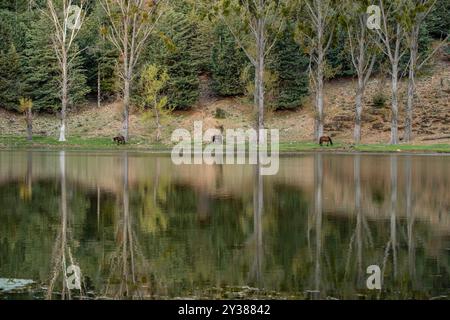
(325, 139)
(119, 139)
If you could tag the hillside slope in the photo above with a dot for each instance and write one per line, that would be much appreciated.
(432, 115)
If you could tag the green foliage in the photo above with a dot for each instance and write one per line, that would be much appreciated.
(339, 58)
(379, 100)
(286, 78)
(153, 81)
(101, 55)
(291, 65)
(438, 21)
(12, 30)
(219, 113)
(42, 73)
(172, 50)
(227, 63)
(10, 84)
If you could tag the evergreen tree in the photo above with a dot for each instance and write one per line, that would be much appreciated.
(41, 72)
(292, 69)
(338, 58)
(10, 84)
(438, 22)
(227, 63)
(41, 68)
(12, 30)
(100, 60)
(172, 51)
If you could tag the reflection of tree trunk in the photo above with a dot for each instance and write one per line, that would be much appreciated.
(393, 223)
(203, 207)
(98, 207)
(258, 208)
(410, 220)
(358, 211)
(156, 184)
(126, 230)
(123, 263)
(318, 219)
(29, 177)
(61, 243)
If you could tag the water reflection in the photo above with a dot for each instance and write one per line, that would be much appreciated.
(139, 227)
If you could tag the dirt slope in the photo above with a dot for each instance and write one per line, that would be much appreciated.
(432, 114)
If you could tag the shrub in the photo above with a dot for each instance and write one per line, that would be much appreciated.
(220, 114)
(379, 100)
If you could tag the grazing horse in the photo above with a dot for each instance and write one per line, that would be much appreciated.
(325, 139)
(119, 139)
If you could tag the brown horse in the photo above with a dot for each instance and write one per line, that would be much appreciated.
(119, 139)
(325, 139)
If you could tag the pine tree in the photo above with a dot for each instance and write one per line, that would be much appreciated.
(41, 69)
(172, 51)
(227, 63)
(10, 84)
(12, 30)
(100, 60)
(41, 72)
(291, 66)
(438, 22)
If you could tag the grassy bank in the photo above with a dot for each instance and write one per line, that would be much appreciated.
(74, 143)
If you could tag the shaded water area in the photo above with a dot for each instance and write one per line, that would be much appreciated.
(140, 227)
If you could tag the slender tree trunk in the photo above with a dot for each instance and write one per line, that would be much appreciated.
(29, 124)
(320, 102)
(62, 132)
(99, 87)
(319, 130)
(158, 123)
(126, 108)
(259, 70)
(358, 111)
(127, 65)
(411, 85)
(394, 106)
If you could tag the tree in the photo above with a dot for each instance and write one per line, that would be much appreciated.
(172, 48)
(131, 22)
(315, 30)
(10, 84)
(362, 53)
(252, 22)
(437, 21)
(227, 62)
(26, 106)
(417, 11)
(291, 66)
(392, 37)
(67, 21)
(100, 60)
(153, 80)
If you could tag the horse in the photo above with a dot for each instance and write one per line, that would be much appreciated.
(325, 139)
(119, 139)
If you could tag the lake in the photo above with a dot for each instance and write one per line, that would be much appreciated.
(138, 226)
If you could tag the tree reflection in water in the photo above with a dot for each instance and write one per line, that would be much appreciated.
(128, 265)
(143, 228)
(62, 257)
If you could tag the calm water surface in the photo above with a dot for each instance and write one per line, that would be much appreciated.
(140, 227)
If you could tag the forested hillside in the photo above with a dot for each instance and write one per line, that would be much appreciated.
(308, 68)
